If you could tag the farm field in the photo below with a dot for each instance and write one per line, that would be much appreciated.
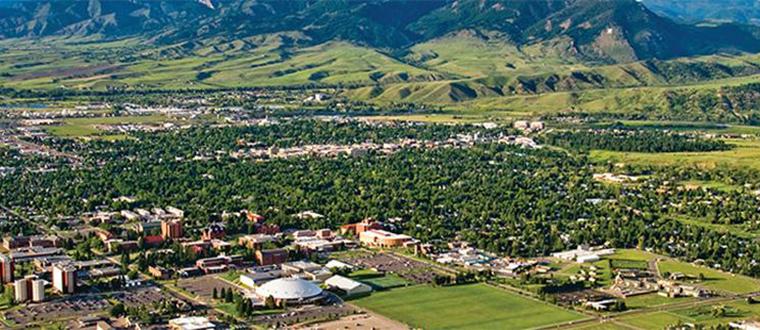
(476, 306)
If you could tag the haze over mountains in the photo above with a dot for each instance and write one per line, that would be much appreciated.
(594, 30)
(695, 11)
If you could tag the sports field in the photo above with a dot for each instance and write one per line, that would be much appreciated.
(475, 306)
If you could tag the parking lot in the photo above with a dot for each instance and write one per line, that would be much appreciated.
(59, 309)
(203, 286)
(304, 314)
(146, 295)
(408, 269)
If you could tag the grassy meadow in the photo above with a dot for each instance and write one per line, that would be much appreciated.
(714, 279)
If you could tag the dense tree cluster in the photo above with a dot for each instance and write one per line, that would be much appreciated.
(631, 140)
(502, 198)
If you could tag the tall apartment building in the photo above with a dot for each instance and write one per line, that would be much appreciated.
(38, 291)
(171, 228)
(6, 269)
(64, 278)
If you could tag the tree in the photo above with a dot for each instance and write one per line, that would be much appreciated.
(229, 297)
(214, 294)
(118, 310)
(270, 303)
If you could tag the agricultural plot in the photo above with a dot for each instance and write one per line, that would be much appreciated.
(476, 306)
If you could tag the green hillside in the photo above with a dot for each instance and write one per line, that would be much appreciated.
(468, 69)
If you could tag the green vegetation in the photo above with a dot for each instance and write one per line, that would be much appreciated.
(79, 127)
(377, 280)
(632, 140)
(653, 300)
(702, 314)
(628, 264)
(475, 306)
(713, 279)
(745, 153)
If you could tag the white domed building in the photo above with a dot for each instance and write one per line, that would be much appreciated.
(290, 290)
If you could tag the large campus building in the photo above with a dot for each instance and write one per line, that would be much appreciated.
(290, 290)
(382, 238)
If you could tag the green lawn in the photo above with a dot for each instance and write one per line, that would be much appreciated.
(628, 264)
(651, 300)
(633, 254)
(378, 281)
(714, 279)
(476, 306)
(702, 314)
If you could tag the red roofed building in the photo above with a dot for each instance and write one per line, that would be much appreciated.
(253, 217)
(153, 240)
(360, 227)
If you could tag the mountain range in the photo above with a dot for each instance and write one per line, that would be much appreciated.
(696, 11)
(594, 30)
(526, 56)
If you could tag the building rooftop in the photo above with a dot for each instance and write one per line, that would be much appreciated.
(289, 289)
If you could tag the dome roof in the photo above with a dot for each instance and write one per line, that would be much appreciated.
(289, 289)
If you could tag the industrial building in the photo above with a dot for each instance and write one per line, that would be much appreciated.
(347, 285)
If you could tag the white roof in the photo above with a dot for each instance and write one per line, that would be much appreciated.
(343, 283)
(192, 323)
(337, 264)
(289, 288)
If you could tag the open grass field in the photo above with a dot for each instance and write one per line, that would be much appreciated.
(745, 154)
(735, 229)
(79, 127)
(476, 306)
(378, 281)
(714, 279)
(653, 300)
(632, 254)
(697, 314)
